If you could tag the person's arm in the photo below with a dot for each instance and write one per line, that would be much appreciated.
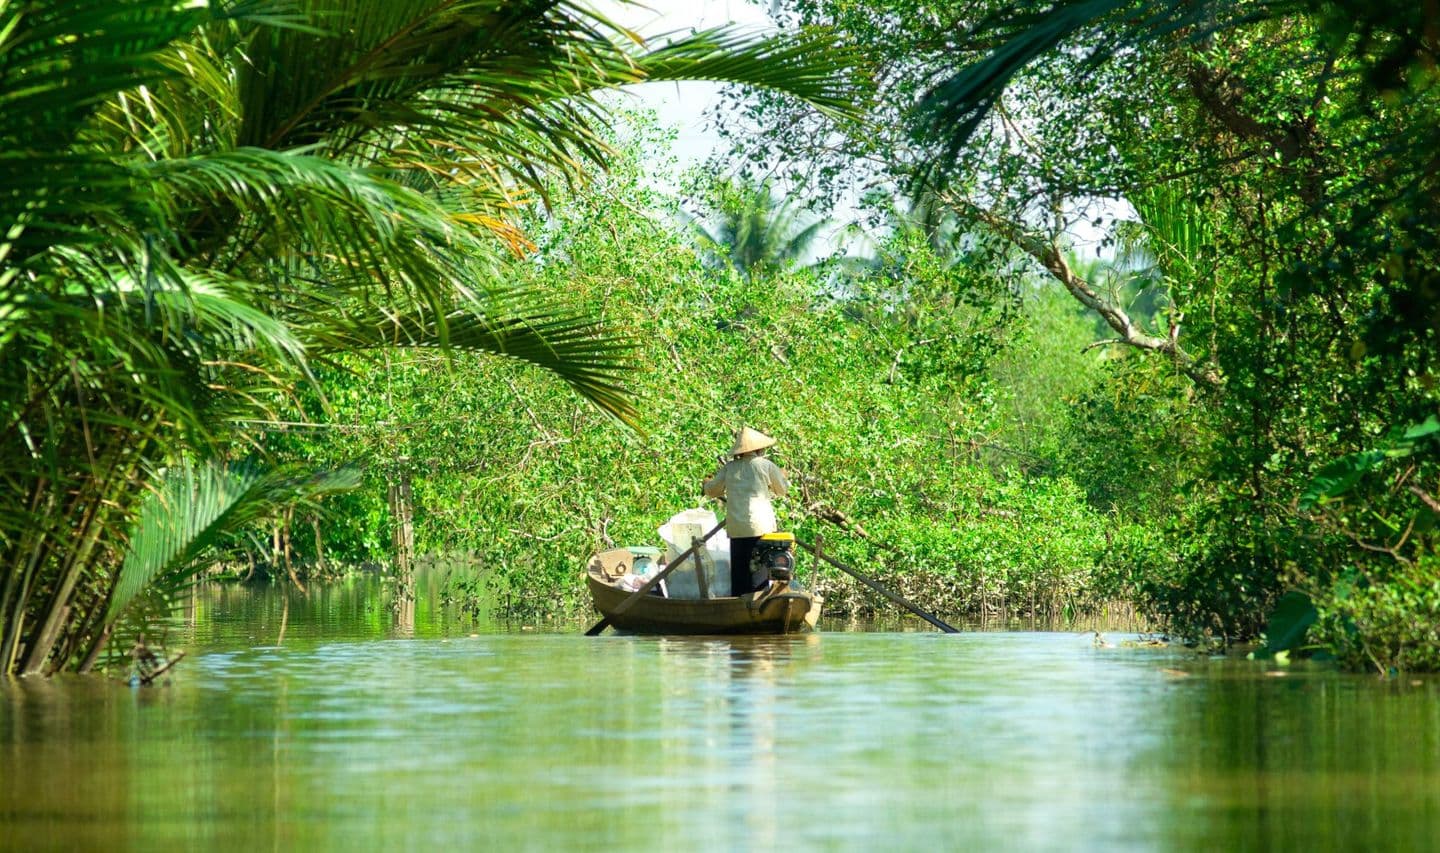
(778, 484)
(715, 486)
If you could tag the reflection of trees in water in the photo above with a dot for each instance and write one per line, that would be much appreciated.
(362, 605)
(726, 692)
(757, 676)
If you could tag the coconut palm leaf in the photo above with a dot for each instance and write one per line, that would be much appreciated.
(752, 228)
(578, 350)
(199, 310)
(194, 505)
(291, 205)
(398, 233)
(956, 105)
(468, 84)
(48, 94)
(812, 65)
(508, 87)
(1173, 234)
(64, 68)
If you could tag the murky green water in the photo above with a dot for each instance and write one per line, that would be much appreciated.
(351, 735)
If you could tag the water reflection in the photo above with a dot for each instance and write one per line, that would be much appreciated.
(723, 701)
(343, 735)
(360, 606)
(1307, 758)
(759, 673)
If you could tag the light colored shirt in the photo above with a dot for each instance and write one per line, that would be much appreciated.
(748, 485)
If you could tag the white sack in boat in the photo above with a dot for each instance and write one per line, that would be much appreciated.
(678, 533)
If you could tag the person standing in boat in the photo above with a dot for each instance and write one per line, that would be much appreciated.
(748, 482)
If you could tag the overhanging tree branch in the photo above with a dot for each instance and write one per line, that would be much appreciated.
(1047, 251)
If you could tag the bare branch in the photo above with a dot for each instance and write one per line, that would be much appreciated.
(1047, 251)
(1430, 501)
(899, 353)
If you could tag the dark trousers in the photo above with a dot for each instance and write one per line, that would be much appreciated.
(741, 548)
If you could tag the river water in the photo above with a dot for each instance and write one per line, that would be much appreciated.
(313, 723)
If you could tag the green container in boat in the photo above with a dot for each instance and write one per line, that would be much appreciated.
(645, 558)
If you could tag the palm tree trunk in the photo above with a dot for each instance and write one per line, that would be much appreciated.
(98, 628)
(59, 605)
(14, 618)
(82, 628)
(286, 526)
(102, 491)
(17, 585)
(101, 638)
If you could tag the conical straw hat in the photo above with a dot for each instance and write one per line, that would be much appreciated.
(750, 439)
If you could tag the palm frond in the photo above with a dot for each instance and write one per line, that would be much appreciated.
(588, 356)
(507, 57)
(60, 61)
(59, 64)
(55, 198)
(194, 505)
(505, 86)
(955, 106)
(812, 64)
(1176, 232)
(800, 242)
(353, 229)
(752, 227)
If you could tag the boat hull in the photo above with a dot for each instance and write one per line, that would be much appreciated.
(782, 610)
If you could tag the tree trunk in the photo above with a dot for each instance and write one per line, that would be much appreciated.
(319, 544)
(100, 640)
(402, 515)
(403, 540)
(285, 529)
(17, 585)
(1047, 252)
(59, 607)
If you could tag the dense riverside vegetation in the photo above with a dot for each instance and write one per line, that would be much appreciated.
(880, 384)
(244, 284)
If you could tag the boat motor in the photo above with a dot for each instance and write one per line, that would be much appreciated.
(773, 559)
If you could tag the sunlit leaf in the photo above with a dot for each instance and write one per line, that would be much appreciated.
(1336, 478)
(1293, 615)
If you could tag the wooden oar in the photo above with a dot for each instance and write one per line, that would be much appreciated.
(635, 596)
(880, 589)
(933, 620)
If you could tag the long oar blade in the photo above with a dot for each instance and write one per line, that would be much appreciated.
(933, 620)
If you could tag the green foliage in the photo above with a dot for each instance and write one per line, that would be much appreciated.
(1278, 279)
(969, 546)
(1045, 381)
(1391, 626)
(1293, 615)
(1338, 477)
(1381, 611)
(1131, 440)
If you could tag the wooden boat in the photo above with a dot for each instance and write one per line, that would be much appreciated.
(781, 609)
